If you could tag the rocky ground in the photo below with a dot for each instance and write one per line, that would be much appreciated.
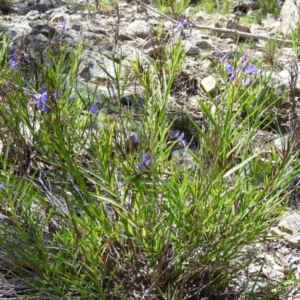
(130, 33)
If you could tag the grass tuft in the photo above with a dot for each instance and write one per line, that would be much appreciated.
(97, 200)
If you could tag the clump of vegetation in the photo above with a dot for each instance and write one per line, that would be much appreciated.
(94, 205)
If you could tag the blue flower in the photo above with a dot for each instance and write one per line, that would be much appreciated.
(135, 137)
(179, 136)
(64, 25)
(49, 63)
(250, 69)
(184, 23)
(147, 160)
(229, 68)
(94, 109)
(55, 94)
(181, 25)
(233, 76)
(1, 186)
(42, 99)
(13, 62)
(145, 163)
(243, 58)
(298, 6)
(224, 57)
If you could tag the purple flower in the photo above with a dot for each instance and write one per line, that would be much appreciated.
(55, 94)
(243, 58)
(181, 25)
(145, 163)
(49, 63)
(250, 69)
(229, 68)
(135, 137)
(1, 186)
(184, 23)
(64, 25)
(179, 136)
(42, 99)
(13, 62)
(233, 76)
(298, 6)
(94, 109)
(224, 57)
(147, 160)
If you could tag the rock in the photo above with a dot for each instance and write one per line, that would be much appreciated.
(138, 28)
(42, 27)
(206, 64)
(33, 15)
(182, 159)
(123, 36)
(59, 10)
(93, 65)
(94, 92)
(5, 7)
(233, 25)
(151, 48)
(141, 9)
(204, 45)
(245, 7)
(282, 143)
(289, 228)
(132, 99)
(289, 17)
(190, 49)
(62, 17)
(209, 85)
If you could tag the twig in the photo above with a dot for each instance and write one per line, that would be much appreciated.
(223, 30)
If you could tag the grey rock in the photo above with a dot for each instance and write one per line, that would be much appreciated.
(62, 17)
(233, 25)
(130, 100)
(204, 45)
(5, 6)
(289, 228)
(190, 49)
(151, 47)
(206, 64)
(138, 28)
(42, 27)
(182, 159)
(245, 7)
(289, 17)
(141, 9)
(93, 92)
(282, 143)
(93, 65)
(33, 15)
(209, 85)
(123, 36)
